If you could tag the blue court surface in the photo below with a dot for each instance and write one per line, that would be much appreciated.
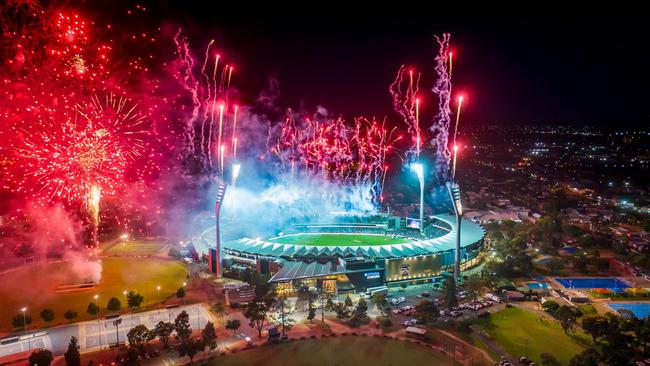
(640, 310)
(610, 283)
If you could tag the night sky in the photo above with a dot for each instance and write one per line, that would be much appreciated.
(534, 69)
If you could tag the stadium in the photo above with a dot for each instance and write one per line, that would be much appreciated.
(340, 254)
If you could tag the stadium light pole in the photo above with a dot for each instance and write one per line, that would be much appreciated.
(418, 168)
(216, 252)
(454, 194)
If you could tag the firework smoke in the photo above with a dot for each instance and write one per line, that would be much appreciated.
(404, 91)
(441, 123)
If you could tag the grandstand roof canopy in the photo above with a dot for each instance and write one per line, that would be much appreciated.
(298, 270)
(470, 234)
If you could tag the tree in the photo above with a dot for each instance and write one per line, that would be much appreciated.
(163, 330)
(474, 285)
(47, 315)
(257, 281)
(71, 315)
(21, 320)
(427, 311)
(602, 264)
(550, 306)
(567, 317)
(588, 357)
(134, 299)
(233, 324)
(256, 313)
(72, 356)
(642, 333)
(282, 314)
(180, 293)
(92, 309)
(360, 313)
(311, 314)
(555, 265)
(209, 336)
(342, 311)
(348, 301)
(190, 347)
(41, 357)
(547, 359)
(449, 291)
(139, 335)
(595, 325)
(218, 309)
(114, 304)
(381, 303)
(182, 326)
(132, 357)
(330, 304)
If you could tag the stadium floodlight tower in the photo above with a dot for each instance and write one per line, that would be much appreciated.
(454, 193)
(234, 173)
(216, 252)
(418, 168)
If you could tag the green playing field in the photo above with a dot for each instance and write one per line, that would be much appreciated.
(343, 240)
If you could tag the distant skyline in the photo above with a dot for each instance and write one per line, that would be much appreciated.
(543, 67)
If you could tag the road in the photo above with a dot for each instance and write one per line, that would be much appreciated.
(90, 332)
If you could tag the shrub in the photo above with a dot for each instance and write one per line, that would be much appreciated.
(386, 322)
(550, 306)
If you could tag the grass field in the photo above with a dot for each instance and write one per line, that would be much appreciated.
(340, 351)
(134, 247)
(521, 332)
(35, 286)
(323, 240)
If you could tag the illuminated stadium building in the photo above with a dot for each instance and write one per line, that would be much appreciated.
(357, 256)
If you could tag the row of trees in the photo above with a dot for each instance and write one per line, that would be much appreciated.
(619, 340)
(139, 336)
(347, 311)
(133, 301)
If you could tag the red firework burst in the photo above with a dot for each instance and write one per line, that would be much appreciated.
(69, 156)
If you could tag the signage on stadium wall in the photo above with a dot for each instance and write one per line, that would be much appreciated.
(372, 275)
(399, 269)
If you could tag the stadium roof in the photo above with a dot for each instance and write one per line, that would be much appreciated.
(470, 234)
(298, 270)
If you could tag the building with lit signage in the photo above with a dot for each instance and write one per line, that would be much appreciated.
(357, 256)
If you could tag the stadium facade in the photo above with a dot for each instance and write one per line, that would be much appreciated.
(380, 252)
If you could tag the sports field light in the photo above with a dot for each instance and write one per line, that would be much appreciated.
(418, 168)
(454, 194)
(124, 236)
(235, 173)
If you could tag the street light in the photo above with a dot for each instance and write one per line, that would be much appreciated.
(418, 168)
(25, 326)
(24, 319)
(99, 328)
(158, 288)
